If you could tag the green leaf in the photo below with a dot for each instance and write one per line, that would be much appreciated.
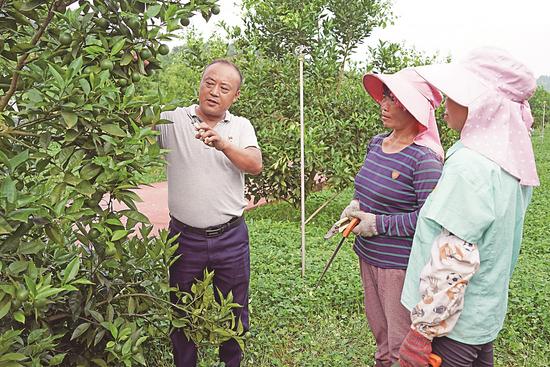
(57, 191)
(19, 317)
(131, 305)
(54, 234)
(127, 346)
(58, 78)
(30, 248)
(100, 334)
(57, 359)
(80, 329)
(113, 130)
(140, 359)
(119, 234)
(152, 11)
(83, 281)
(85, 85)
(22, 215)
(71, 270)
(5, 308)
(135, 215)
(5, 227)
(48, 292)
(18, 159)
(18, 266)
(118, 46)
(84, 187)
(8, 189)
(30, 5)
(126, 59)
(70, 118)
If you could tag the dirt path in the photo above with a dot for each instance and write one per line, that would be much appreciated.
(155, 204)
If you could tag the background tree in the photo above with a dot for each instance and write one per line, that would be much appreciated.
(540, 106)
(80, 282)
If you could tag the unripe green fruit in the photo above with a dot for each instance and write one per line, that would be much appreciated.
(136, 77)
(67, 59)
(185, 21)
(106, 65)
(145, 54)
(215, 10)
(163, 49)
(110, 251)
(102, 22)
(133, 24)
(94, 233)
(22, 295)
(65, 38)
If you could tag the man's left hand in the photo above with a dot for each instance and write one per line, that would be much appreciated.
(210, 137)
(415, 350)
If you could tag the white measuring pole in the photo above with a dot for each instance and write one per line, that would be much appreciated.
(302, 165)
(543, 116)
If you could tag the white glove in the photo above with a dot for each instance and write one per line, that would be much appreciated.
(367, 226)
(352, 207)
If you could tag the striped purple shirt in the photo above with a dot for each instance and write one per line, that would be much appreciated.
(394, 187)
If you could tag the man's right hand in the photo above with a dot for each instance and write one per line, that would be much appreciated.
(352, 207)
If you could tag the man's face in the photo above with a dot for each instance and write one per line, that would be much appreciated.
(218, 90)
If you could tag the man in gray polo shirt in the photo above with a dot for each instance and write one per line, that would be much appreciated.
(210, 150)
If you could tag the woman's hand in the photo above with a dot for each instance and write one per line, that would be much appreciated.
(367, 226)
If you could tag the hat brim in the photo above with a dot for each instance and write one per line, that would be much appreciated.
(409, 97)
(455, 81)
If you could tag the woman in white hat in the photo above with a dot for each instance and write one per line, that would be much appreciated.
(401, 168)
(477, 210)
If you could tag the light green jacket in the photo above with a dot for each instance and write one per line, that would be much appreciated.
(480, 203)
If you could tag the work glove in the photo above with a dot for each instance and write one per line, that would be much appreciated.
(415, 350)
(352, 206)
(367, 226)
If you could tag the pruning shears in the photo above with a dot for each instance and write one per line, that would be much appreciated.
(433, 360)
(345, 226)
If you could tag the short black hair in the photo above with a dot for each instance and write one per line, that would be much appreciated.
(226, 62)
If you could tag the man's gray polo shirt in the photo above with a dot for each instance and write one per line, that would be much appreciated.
(204, 187)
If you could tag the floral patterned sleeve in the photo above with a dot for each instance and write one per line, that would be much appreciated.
(443, 282)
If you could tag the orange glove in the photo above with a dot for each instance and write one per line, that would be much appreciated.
(415, 350)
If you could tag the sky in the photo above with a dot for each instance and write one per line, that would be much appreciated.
(451, 27)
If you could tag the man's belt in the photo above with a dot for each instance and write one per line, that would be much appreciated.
(213, 231)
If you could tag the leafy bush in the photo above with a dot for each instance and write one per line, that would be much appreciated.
(82, 283)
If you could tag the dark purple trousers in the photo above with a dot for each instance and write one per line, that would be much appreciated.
(228, 255)
(457, 354)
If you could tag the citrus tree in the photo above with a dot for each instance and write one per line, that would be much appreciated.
(80, 282)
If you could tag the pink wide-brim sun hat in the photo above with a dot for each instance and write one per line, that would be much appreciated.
(412, 92)
(484, 70)
(455, 81)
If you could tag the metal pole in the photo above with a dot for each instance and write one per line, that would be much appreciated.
(302, 165)
(543, 116)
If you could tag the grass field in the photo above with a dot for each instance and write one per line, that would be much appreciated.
(294, 324)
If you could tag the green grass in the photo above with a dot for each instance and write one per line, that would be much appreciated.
(294, 324)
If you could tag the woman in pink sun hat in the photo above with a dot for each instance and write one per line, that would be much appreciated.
(401, 168)
(469, 230)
